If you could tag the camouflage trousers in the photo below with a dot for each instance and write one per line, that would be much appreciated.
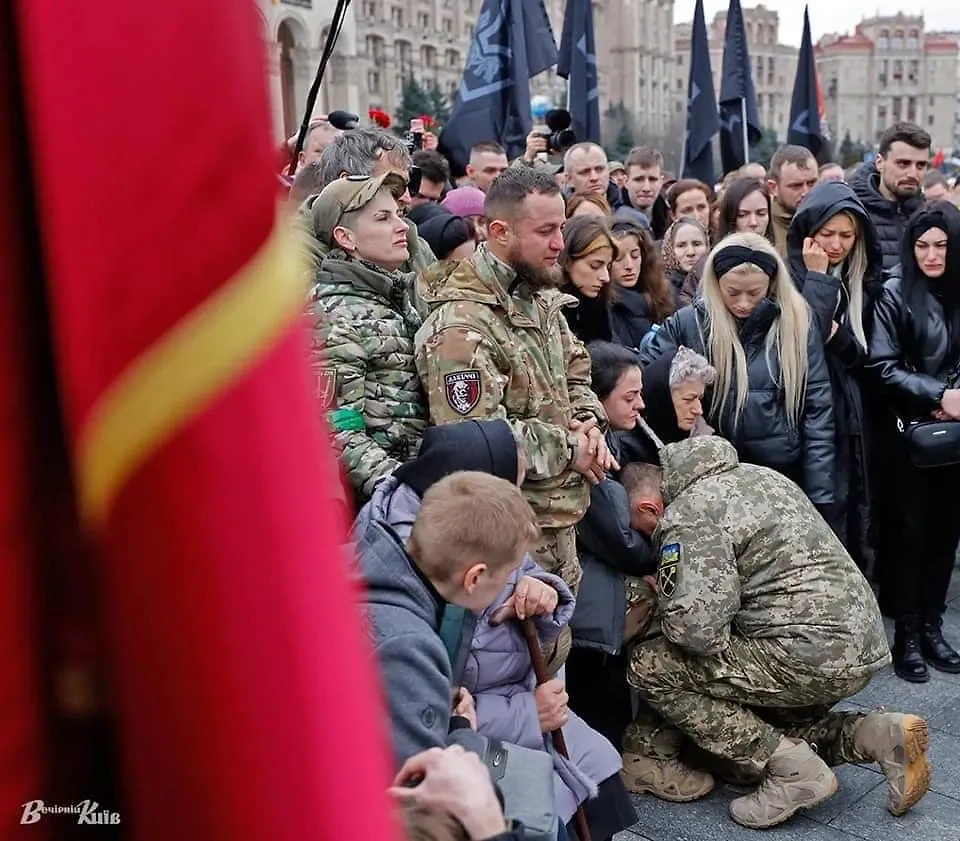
(557, 554)
(738, 704)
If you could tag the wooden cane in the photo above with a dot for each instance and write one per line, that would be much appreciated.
(529, 629)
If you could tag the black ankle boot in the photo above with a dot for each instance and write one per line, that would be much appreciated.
(908, 660)
(934, 647)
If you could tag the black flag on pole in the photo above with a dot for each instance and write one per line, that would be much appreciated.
(578, 64)
(512, 41)
(738, 96)
(805, 129)
(702, 119)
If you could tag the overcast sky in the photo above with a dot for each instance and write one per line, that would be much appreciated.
(831, 15)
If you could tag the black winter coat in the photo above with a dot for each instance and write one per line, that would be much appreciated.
(609, 549)
(590, 320)
(828, 297)
(630, 317)
(763, 435)
(888, 217)
(910, 366)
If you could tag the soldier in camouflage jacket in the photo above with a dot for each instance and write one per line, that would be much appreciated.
(767, 623)
(364, 321)
(494, 349)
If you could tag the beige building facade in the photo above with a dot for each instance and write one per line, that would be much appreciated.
(428, 39)
(295, 32)
(774, 65)
(889, 70)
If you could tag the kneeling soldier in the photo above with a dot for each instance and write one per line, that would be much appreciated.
(767, 623)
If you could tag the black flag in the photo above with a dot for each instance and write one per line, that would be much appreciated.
(702, 120)
(805, 129)
(512, 42)
(578, 64)
(738, 97)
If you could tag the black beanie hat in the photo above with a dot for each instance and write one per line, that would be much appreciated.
(487, 446)
(445, 233)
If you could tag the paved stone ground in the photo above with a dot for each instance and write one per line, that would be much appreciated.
(856, 812)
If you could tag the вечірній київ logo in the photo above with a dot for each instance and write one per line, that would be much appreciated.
(85, 810)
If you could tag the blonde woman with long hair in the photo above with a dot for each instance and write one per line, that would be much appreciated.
(771, 398)
(836, 262)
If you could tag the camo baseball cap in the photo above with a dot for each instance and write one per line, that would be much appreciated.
(346, 195)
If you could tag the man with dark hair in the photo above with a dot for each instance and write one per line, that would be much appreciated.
(690, 197)
(434, 177)
(487, 161)
(890, 189)
(496, 345)
(644, 188)
(935, 186)
(793, 174)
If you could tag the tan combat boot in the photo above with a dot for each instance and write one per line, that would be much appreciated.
(796, 778)
(668, 779)
(898, 743)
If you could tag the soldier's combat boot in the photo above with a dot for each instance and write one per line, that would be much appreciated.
(898, 743)
(668, 779)
(795, 778)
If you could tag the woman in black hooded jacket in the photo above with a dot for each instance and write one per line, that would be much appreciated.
(835, 261)
(915, 360)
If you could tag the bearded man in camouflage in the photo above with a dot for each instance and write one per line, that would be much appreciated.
(767, 623)
(496, 345)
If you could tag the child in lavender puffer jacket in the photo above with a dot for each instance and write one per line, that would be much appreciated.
(500, 677)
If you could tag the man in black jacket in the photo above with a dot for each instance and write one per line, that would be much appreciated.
(891, 191)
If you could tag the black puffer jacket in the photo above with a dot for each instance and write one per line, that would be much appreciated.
(910, 365)
(889, 217)
(630, 317)
(763, 435)
(829, 298)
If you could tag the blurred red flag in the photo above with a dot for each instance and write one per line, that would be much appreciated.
(244, 688)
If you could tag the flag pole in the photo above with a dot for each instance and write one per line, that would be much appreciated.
(743, 120)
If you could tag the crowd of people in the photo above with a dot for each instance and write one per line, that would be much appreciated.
(638, 461)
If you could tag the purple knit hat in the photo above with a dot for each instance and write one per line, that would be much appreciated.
(464, 201)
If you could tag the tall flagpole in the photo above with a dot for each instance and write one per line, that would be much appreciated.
(743, 120)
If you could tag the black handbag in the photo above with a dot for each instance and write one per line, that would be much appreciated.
(931, 443)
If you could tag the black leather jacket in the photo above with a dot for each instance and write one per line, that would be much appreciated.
(763, 434)
(910, 366)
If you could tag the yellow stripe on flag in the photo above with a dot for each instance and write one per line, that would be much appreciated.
(179, 375)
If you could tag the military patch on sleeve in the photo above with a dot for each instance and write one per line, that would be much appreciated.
(326, 388)
(463, 389)
(667, 573)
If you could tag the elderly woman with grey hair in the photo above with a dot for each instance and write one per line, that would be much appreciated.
(673, 390)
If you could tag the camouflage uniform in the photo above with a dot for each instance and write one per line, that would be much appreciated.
(489, 351)
(767, 621)
(364, 322)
